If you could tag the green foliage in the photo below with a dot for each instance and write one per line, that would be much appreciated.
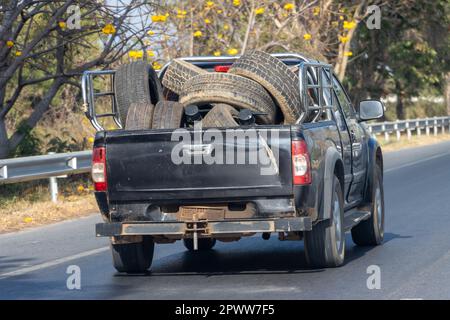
(30, 144)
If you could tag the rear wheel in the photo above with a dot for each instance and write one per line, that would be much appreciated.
(203, 244)
(133, 257)
(325, 244)
(370, 232)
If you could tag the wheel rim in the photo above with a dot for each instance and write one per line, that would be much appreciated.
(378, 208)
(337, 222)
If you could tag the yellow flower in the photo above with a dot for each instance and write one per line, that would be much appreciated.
(209, 4)
(150, 53)
(343, 39)
(150, 32)
(260, 11)
(226, 27)
(91, 140)
(156, 65)
(62, 24)
(159, 18)
(91, 188)
(216, 53)
(198, 34)
(348, 53)
(27, 219)
(207, 21)
(316, 11)
(135, 54)
(219, 36)
(349, 25)
(341, 17)
(80, 188)
(236, 3)
(109, 29)
(307, 36)
(219, 11)
(181, 14)
(232, 51)
(289, 6)
(18, 53)
(10, 43)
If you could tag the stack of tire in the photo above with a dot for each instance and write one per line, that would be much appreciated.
(256, 81)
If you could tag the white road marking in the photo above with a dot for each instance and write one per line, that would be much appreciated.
(417, 162)
(52, 263)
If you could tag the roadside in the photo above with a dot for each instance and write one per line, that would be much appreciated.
(33, 207)
(404, 143)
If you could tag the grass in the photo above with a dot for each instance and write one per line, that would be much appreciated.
(26, 205)
(415, 141)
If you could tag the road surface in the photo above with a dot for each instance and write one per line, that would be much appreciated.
(414, 260)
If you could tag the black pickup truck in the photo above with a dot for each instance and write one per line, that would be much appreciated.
(312, 181)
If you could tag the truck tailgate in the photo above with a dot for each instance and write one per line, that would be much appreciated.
(158, 166)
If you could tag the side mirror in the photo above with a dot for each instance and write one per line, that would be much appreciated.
(370, 110)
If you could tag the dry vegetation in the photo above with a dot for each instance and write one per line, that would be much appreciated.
(415, 141)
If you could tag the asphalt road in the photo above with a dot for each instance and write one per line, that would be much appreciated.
(414, 260)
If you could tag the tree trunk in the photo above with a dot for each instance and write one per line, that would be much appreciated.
(447, 92)
(4, 142)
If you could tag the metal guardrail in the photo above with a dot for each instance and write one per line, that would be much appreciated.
(408, 126)
(52, 166)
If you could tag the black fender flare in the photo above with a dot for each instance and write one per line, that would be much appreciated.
(332, 157)
(374, 151)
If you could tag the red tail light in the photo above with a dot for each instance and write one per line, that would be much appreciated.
(301, 166)
(99, 169)
(221, 68)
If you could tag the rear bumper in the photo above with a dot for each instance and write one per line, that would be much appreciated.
(209, 228)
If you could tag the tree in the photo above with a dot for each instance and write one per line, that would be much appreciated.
(40, 44)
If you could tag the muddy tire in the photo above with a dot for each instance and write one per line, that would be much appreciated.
(167, 115)
(370, 232)
(276, 78)
(177, 73)
(135, 82)
(220, 116)
(204, 244)
(231, 89)
(133, 257)
(139, 116)
(325, 243)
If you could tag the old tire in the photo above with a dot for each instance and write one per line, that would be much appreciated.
(370, 232)
(139, 116)
(230, 89)
(169, 95)
(325, 244)
(203, 244)
(133, 257)
(135, 82)
(221, 116)
(276, 78)
(167, 115)
(177, 73)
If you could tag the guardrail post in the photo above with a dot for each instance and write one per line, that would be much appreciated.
(443, 125)
(419, 133)
(53, 189)
(427, 127)
(408, 130)
(397, 131)
(386, 134)
(435, 127)
(53, 186)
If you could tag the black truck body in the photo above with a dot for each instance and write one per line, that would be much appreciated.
(150, 195)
